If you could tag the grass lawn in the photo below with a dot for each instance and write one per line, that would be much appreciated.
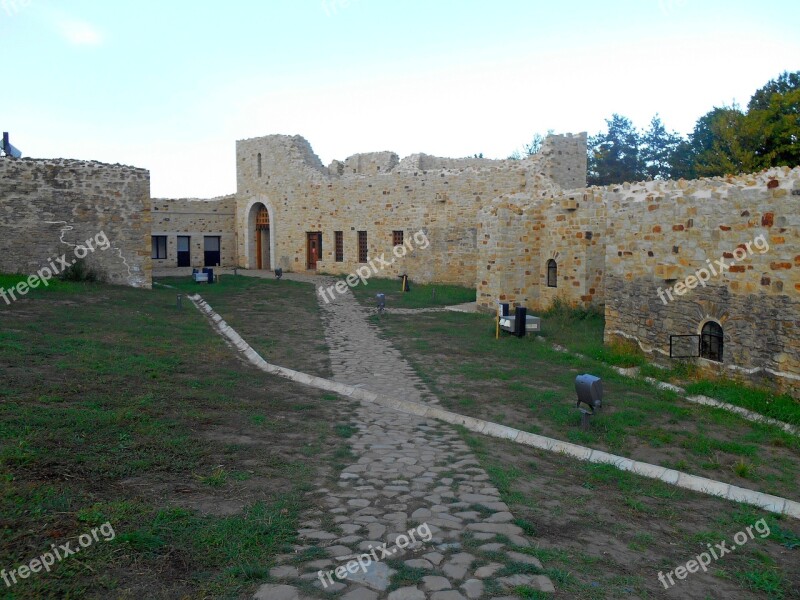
(605, 534)
(600, 532)
(526, 384)
(420, 296)
(116, 407)
(277, 318)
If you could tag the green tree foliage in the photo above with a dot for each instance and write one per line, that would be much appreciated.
(614, 155)
(726, 140)
(658, 150)
(774, 112)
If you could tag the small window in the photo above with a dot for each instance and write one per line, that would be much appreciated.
(711, 342)
(552, 273)
(397, 238)
(159, 250)
(339, 245)
(259, 164)
(362, 246)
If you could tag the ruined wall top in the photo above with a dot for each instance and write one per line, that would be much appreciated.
(71, 164)
(562, 159)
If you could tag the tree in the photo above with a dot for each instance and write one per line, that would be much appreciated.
(774, 112)
(724, 143)
(614, 155)
(658, 150)
(534, 147)
(784, 84)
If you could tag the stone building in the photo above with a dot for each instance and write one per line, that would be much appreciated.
(705, 270)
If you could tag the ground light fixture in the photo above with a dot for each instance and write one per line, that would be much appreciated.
(590, 397)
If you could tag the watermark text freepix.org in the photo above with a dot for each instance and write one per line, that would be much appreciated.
(366, 271)
(703, 275)
(55, 266)
(363, 562)
(58, 553)
(703, 560)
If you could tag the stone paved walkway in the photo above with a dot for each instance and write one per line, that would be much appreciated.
(415, 497)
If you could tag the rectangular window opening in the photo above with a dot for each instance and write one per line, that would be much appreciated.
(362, 246)
(159, 247)
(339, 245)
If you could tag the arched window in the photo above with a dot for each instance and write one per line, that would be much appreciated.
(711, 343)
(259, 164)
(552, 273)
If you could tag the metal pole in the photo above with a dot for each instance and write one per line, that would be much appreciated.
(180, 301)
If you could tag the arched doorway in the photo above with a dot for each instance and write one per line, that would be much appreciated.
(259, 232)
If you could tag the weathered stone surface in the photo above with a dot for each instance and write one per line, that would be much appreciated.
(51, 207)
(407, 593)
(270, 591)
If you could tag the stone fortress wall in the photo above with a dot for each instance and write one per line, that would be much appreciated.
(380, 194)
(647, 254)
(49, 206)
(671, 235)
(637, 251)
(196, 219)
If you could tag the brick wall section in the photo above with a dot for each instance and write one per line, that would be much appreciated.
(197, 219)
(378, 194)
(79, 199)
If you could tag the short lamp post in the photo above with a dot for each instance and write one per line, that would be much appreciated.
(590, 397)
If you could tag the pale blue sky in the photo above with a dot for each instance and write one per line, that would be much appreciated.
(171, 85)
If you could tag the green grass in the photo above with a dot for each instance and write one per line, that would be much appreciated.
(526, 384)
(782, 407)
(117, 407)
(649, 525)
(420, 296)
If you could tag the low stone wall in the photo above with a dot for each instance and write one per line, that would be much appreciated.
(48, 207)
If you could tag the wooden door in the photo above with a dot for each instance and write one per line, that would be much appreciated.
(313, 250)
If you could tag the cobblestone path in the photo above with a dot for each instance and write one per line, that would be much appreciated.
(415, 502)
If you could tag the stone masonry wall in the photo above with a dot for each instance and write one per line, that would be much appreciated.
(377, 194)
(520, 234)
(47, 207)
(664, 237)
(197, 219)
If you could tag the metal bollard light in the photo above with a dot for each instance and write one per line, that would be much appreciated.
(278, 273)
(180, 302)
(381, 302)
(590, 394)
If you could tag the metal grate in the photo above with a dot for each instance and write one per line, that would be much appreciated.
(397, 238)
(262, 219)
(711, 341)
(338, 238)
(362, 246)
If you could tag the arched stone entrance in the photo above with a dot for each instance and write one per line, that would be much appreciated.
(259, 233)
